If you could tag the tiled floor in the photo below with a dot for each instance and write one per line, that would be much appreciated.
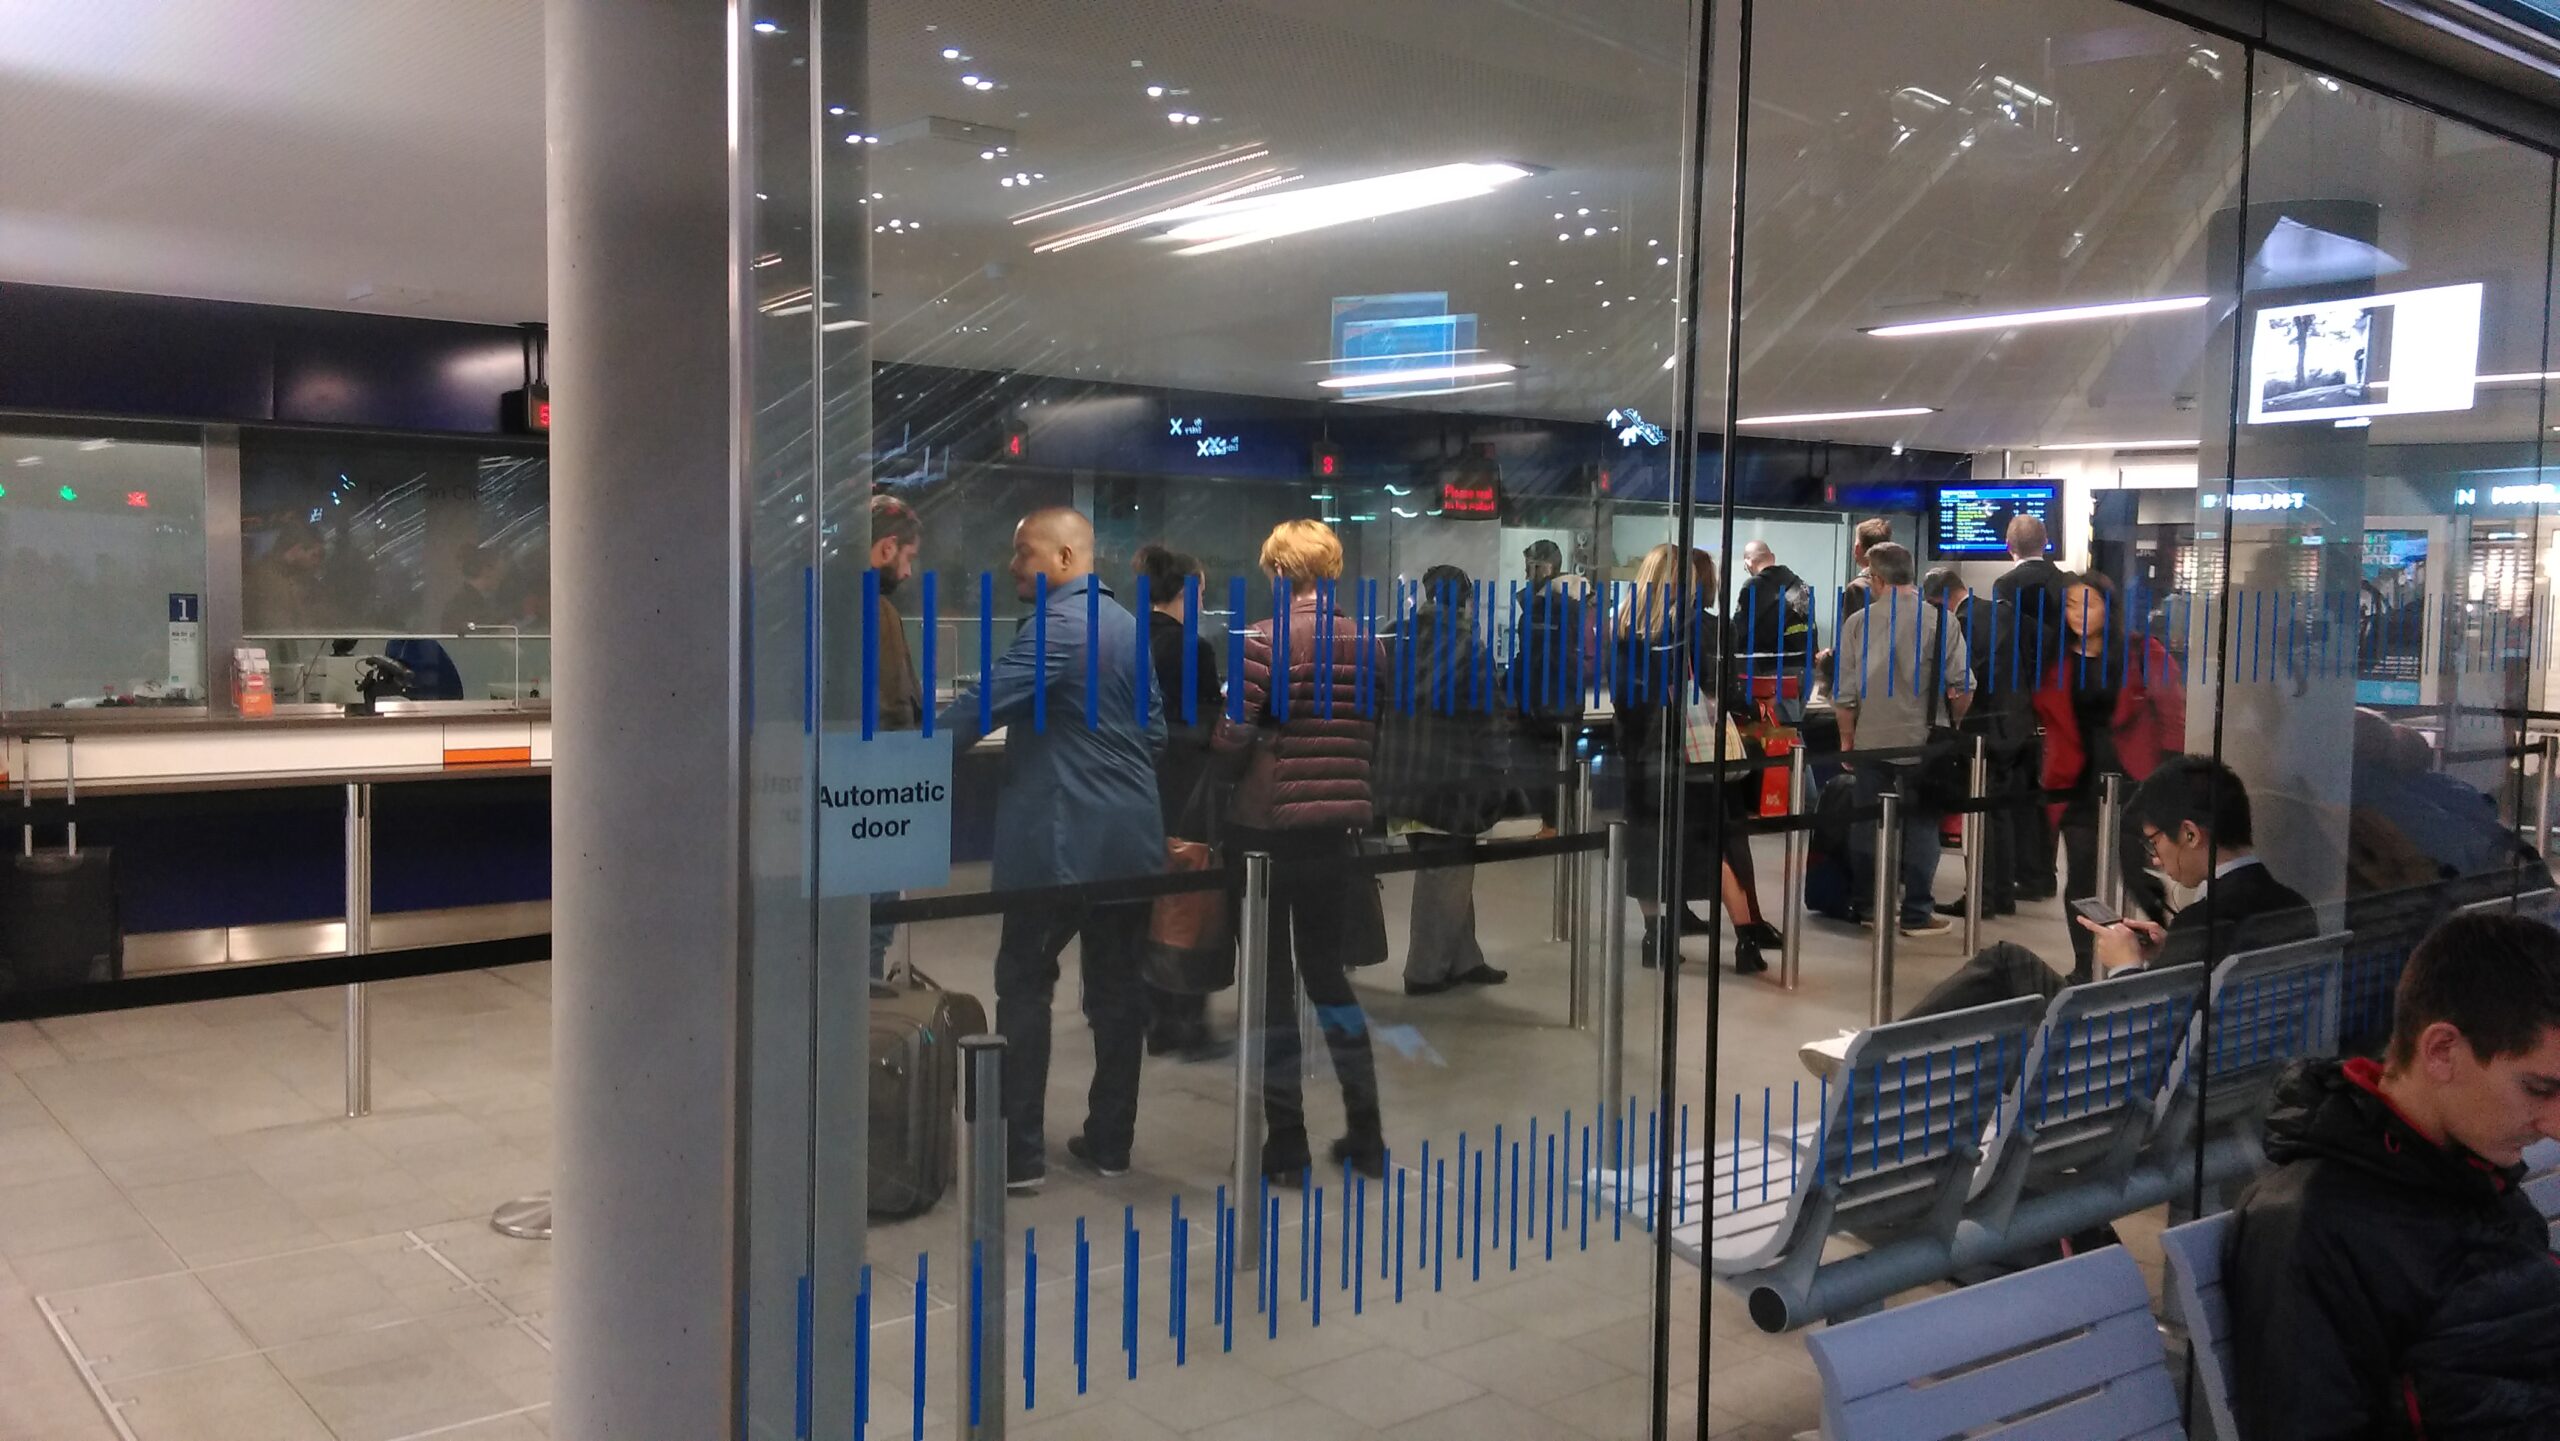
(194, 1243)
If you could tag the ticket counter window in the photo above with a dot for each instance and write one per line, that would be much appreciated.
(397, 570)
(102, 573)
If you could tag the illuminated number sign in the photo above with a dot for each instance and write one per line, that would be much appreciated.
(527, 411)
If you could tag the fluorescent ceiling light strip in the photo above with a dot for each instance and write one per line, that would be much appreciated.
(1145, 183)
(1414, 355)
(1452, 390)
(1219, 225)
(2124, 445)
(2513, 378)
(1417, 374)
(1811, 417)
(1224, 190)
(2010, 320)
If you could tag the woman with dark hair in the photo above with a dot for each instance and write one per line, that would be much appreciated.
(1178, 1024)
(2110, 703)
(1647, 628)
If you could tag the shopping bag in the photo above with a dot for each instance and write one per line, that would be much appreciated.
(1190, 942)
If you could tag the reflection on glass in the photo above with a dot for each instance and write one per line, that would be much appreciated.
(101, 572)
(379, 570)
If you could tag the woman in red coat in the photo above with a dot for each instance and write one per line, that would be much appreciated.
(2111, 703)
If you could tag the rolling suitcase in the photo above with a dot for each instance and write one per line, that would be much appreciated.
(60, 923)
(916, 1028)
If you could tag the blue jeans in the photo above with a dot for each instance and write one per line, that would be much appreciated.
(1919, 844)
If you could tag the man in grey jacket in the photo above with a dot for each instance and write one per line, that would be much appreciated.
(1078, 806)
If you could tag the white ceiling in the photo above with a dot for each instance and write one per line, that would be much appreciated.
(386, 155)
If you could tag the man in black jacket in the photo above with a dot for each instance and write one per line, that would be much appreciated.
(2388, 1279)
(2194, 815)
(2033, 588)
(2002, 716)
(1776, 613)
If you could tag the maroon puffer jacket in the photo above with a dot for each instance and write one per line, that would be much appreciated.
(1309, 770)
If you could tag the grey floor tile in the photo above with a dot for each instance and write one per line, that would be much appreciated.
(1528, 1370)
(382, 1384)
(237, 1400)
(136, 1328)
(1380, 1389)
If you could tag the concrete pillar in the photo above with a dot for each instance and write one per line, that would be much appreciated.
(709, 489)
(646, 1010)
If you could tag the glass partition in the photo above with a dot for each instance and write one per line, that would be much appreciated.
(102, 570)
(401, 569)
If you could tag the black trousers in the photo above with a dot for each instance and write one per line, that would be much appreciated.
(2142, 893)
(2031, 829)
(2001, 971)
(1306, 940)
(1111, 942)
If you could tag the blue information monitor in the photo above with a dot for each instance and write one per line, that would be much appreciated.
(1974, 519)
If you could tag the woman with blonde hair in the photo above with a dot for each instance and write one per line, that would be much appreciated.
(1646, 632)
(1304, 800)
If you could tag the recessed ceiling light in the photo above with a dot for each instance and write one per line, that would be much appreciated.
(766, 27)
(1813, 417)
(950, 52)
(2007, 320)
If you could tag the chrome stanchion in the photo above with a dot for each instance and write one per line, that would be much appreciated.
(527, 1218)
(2542, 816)
(1885, 908)
(1253, 967)
(1799, 849)
(359, 916)
(1564, 825)
(1976, 827)
(1577, 926)
(2110, 822)
(1613, 976)
(980, 1406)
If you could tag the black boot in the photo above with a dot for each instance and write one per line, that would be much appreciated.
(1747, 960)
(1364, 1152)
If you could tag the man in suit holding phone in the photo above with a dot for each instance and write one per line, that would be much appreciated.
(2193, 815)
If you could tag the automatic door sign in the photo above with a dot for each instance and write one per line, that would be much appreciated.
(884, 812)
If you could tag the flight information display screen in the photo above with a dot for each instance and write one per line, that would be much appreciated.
(1974, 519)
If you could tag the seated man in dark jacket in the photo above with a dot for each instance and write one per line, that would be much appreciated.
(2194, 815)
(2388, 1279)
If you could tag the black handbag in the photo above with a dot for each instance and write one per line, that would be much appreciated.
(1943, 778)
(1364, 922)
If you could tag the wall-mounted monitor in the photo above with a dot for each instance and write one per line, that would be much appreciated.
(1971, 520)
(2399, 354)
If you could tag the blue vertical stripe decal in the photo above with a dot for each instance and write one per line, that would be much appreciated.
(1146, 653)
(919, 1345)
(1040, 653)
(870, 653)
(1283, 622)
(1093, 652)
(862, 1357)
(932, 654)
(1191, 650)
(986, 651)
(1235, 656)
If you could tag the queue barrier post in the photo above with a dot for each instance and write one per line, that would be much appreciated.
(980, 1408)
(1884, 909)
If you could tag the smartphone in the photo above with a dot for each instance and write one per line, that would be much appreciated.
(2096, 911)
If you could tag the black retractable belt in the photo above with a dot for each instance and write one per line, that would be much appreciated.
(60, 921)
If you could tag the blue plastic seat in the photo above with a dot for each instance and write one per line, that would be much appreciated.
(2065, 1352)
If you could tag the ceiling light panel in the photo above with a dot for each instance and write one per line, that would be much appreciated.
(2058, 315)
(1209, 227)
